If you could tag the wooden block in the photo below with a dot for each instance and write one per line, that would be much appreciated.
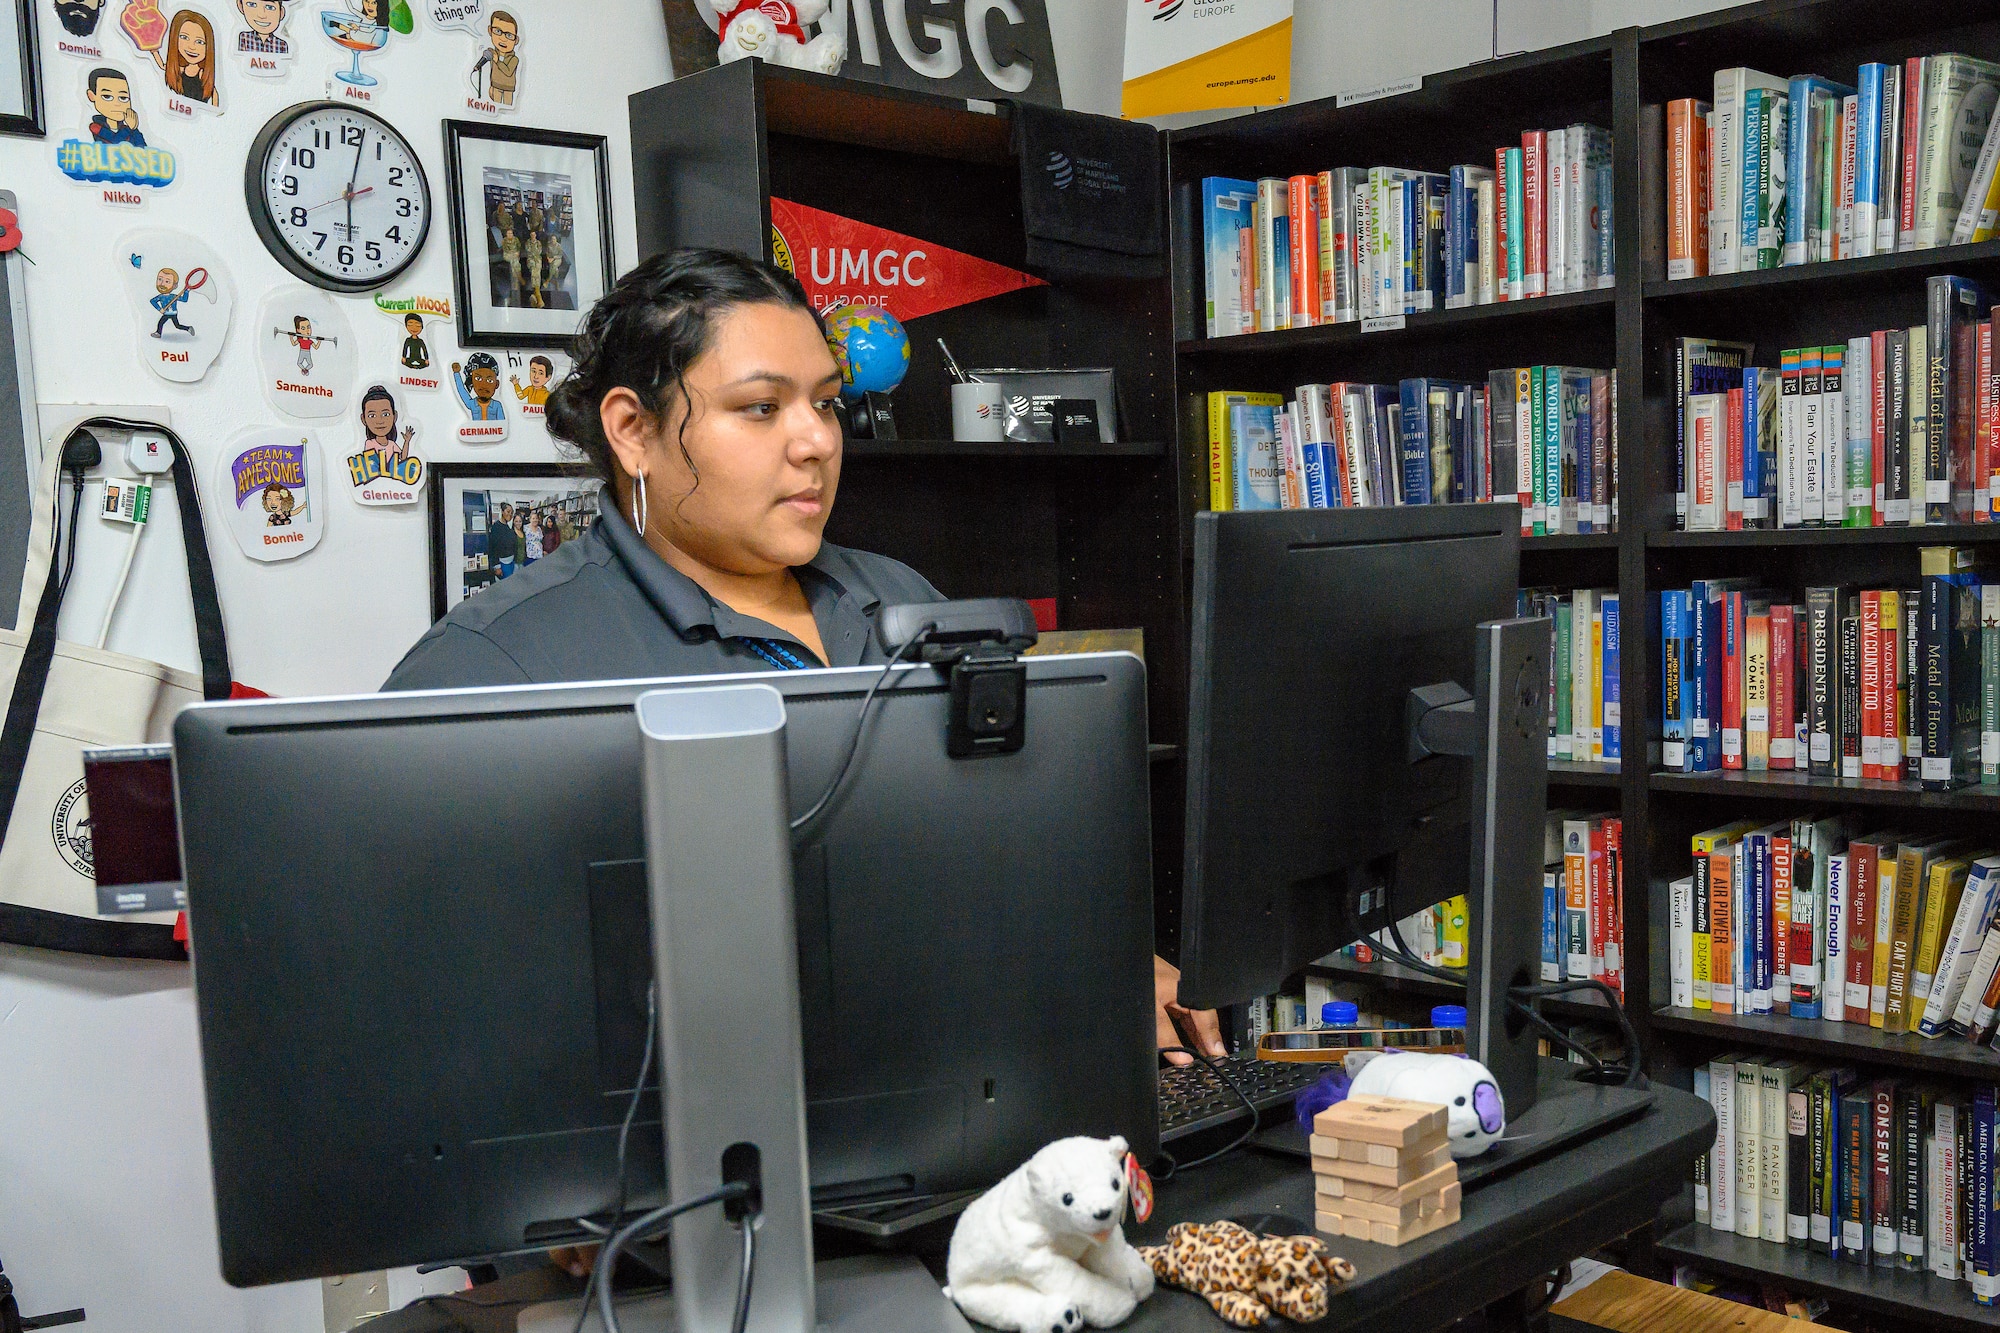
(1373, 1154)
(1338, 1187)
(1382, 1233)
(1401, 1174)
(1354, 1228)
(1389, 1120)
(1398, 1214)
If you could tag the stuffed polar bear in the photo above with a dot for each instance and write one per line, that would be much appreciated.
(1043, 1251)
(775, 30)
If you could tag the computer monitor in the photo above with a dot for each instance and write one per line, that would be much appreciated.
(1311, 627)
(419, 927)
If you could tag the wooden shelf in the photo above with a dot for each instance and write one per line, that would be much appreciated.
(1565, 772)
(1001, 449)
(1936, 1303)
(1942, 534)
(1952, 1056)
(1908, 265)
(1510, 314)
(1786, 785)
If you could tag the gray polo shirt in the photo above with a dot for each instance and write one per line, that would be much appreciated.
(605, 607)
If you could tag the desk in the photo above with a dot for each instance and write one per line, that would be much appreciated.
(1512, 1230)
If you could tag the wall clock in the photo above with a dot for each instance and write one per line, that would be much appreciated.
(337, 196)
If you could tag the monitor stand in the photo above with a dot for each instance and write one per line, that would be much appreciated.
(725, 958)
(869, 1293)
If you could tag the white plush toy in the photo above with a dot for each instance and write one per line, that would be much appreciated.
(1043, 1251)
(775, 30)
(1476, 1114)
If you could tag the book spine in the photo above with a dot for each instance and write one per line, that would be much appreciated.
(1457, 227)
(1896, 506)
(1687, 221)
(1302, 205)
(1833, 959)
(1915, 70)
(1878, 350)
(1844, 202)
(1798, 1170)
(1856, 1208)
(1889, 176)
(1983, 414)
(1850, 696)
(1910, 1185)
(1791, 476)
(1725, 171)
(1680, 990)
(1703, 938)
(1330, 206)
(1867, 157)
(1882, 1239)
(1673, 694)
(1556, 194)
(1984, 1271)
(1751, 206)
(1534, 211)
(1610, 687)
(1822, 668)
(1784, 705)
(1857, 381)
(1486, 291)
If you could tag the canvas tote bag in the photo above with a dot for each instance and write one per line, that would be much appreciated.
(64, 698)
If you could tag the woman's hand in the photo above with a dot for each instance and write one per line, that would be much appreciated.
(1175, 1025)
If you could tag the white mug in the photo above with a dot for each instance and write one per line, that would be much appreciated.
(976, 411)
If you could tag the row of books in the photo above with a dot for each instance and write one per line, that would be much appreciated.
(1884, 683)
(1583, 671)
(1896, 427)
(1781, 171)
(1811, 919)
(1546, 436)
(1886, 1173)
(1356, 243)
(1437, 935)
(1583, 898)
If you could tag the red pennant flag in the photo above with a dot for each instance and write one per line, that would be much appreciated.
(841, 261)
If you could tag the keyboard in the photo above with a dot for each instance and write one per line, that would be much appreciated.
(1193, 1097)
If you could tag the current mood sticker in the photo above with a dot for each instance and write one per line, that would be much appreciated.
(271, 476)
(417, 368)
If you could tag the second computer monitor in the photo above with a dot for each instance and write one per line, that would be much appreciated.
(1311, 627)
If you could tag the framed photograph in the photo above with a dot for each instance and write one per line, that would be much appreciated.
(21, 69)
(530, 231)
(490, 521)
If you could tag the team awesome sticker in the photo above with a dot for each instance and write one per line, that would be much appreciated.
(272, 478)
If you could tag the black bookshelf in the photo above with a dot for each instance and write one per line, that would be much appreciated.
(1398, 979)
(1930, 1302)
(1002, 449)
(1624, 81)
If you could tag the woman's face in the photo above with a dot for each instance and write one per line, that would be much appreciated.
(765, 443)
(378, 417)
(191, 44)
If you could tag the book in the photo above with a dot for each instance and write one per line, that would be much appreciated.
(1833, 932)
(1680, 943)
(1779, 1079)
(1701, 366)
(1883, 1238)
(1812, 100)
(1749, 1146)
(1955, 307)
(1958, 97)
(1224, 478)
(1303, 235)
(1253, 446)
(1959, 954)
(1722, 1202)
(1944, 888)
(1913, 863)
(1534, 212)
(1228, 211)
(1687, 187)
(1726, 204)
(1868, 175)
(1912, 1112)
(1850, 692)
(1949, 639)
(1823, 677)
(1272, 274)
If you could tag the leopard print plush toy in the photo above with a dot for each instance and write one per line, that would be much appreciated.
(1246, 1277)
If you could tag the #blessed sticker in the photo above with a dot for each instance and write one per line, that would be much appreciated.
(111, 153)
(271, 476)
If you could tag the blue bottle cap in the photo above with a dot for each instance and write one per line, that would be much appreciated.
(1448, 1016)
(1340, 1014)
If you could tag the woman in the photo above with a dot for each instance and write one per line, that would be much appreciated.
(704, 397)
(187, 57)
(378, 425)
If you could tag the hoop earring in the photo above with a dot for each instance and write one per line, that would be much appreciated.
(639, 508)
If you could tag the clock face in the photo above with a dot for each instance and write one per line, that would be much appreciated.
(337, 196)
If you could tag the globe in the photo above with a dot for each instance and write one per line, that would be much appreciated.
(871, 347)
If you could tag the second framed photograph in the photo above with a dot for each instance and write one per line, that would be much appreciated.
(490, 521)
(530, 231)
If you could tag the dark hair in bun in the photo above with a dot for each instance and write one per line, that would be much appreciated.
(645, 332)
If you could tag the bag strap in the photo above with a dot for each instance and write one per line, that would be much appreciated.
(31, 681)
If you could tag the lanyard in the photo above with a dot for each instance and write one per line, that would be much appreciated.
(777, 654)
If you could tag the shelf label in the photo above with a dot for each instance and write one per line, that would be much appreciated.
(1381, 323)
(1380, 90)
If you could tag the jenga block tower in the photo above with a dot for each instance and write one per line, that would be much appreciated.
(1383, 1170)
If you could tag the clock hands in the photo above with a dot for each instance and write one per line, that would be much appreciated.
(359, 149)
(345, 196)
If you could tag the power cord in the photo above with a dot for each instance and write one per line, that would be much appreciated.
(624, 1136)
(861, 725)
(743, 1278)
(643, 1228)
(1213, 1065)
(1517, 997)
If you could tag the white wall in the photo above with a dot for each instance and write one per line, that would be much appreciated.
(104, 1185)
(104, 1192)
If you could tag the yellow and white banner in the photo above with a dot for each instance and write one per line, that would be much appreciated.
(1198, 55)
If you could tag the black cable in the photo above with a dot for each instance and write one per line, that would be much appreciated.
(1635, 1052)
(745, 1275)
(624, 1134)
(607, 1258)
(861, 725)
(1216, 1067)
(75, 513)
